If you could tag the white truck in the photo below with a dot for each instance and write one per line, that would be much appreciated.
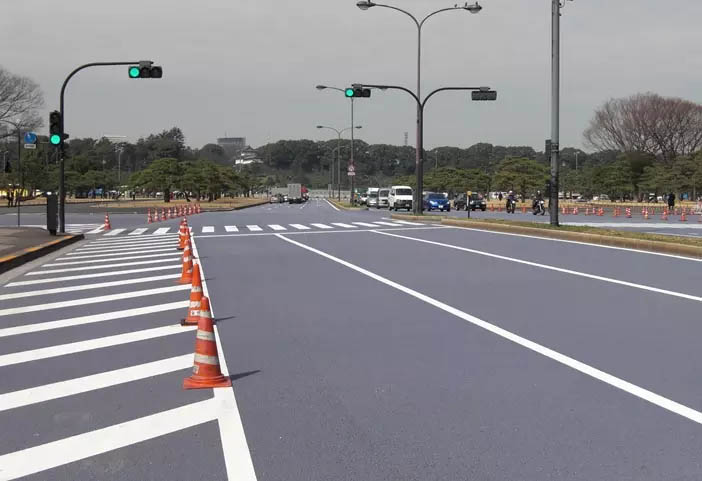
(295, 193)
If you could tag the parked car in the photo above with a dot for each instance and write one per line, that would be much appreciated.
(400, 197)
(383, 195)
(436, 201)
(363, 198)
(459, 202)
(372, 200)
(477, 202)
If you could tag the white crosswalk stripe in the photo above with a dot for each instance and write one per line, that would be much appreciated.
(139, 231)
(277, 227)
(231, 228)
(364, 224)
(254, 228)
(114, 232)
(345, 226)
(208, 229)
(322, 226)
(161, 230)
(392, 224)
(299, 226)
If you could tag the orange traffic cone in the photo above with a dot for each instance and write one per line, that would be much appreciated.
(198, 209)
(195, 298)
(206, 370)
(107, 222)
(523, 209)
(186, 275)
(149, 220)
(646, 214)
(628, 212)
(683, 218)
(575, 211)
(183, 234)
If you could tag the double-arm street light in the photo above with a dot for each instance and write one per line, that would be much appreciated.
(338, 154)
(472, 8)
(18, 127)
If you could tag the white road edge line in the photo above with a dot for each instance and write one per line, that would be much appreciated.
(332, 205)
(586, 369)
(235, 449)
(552, 268)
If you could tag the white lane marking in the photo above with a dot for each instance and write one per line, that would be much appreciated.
(237, 457)
(332, 205)
(637, 251)
(163, 239)
(57, 453)
(83, 287)
(207, 229)
(92, 300)
(299, 226)
(128, 249)
(553, 268)
(586, 369)
(138, 231)
(96, 231)
(277, 227)
(116, 254)
(129, 240)
(310, 232)
(104, 266)
(254, 228)
(407, 223)
(638, 225)
(91, 344)
(345, 226)
(115, 232)
(322, 226)
(364, 224)
(380, 222)
(92, 318)
(96, 261)
(231, 228)
(303, 205)
(161, 231)
(91, 276)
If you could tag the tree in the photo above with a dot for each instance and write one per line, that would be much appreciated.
(20, 100)
(521, 175)
(163, 175)
(648, 123)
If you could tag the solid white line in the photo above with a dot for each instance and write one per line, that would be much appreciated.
(105, 266)
(237, 457)
(96, 261)
(91, 276)
(364, 224)
(614, 381)
(96, 231)
(139, 231)
(637, 251)
(322, 226)
(115, 232)
(553, 268)
(277, 227)
(91, 344)
(299, 226)
(345, 226)
(386, 223)
(310, 232)
(332, 205)
(134, 241)
(638, 225)
(116, 254)
(207, 228)
(83, 287)
(127, 249)
(407, 223)
(161, 231)
(92, 318)
(231, 228)
(254, 228)
(92, 300)
(57, 453)
(127, 240)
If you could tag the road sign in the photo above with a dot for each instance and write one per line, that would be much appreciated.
(30, 138)
(351, 174)
(352, 170)
(30, 146)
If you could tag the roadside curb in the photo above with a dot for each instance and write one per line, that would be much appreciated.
(343, 207)
(422, 218)
(639, 244)
(31, 253)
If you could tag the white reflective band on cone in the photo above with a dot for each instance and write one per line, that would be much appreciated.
(194, 313)
(202, 359)
(196, 289)
(205, 335)
(194, 304)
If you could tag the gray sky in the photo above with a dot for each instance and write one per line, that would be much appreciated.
(249, 67)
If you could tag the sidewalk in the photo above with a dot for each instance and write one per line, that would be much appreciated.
(21, 245)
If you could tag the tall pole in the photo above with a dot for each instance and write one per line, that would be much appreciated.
(555, 106)
(419, 162)
(353, 127)
(19, 170)
(338, 166)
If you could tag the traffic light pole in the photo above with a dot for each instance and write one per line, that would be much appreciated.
(555, 107)
(352, 163)
(62, 172)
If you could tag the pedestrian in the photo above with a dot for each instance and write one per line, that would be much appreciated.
(671, 201)
(9, 198)
(499, 196)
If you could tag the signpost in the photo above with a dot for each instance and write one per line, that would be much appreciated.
(30, 140)
(352, 171)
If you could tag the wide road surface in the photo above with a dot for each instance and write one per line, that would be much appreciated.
(360, 348)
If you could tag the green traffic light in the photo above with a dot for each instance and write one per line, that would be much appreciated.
(349, 92)
(55, 139)
(134, 72)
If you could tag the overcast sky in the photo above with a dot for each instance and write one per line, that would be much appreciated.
(249, 67)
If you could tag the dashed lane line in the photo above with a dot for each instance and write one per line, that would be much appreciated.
(104, 266)
(92, 276)
(83, 287)
(92, 318)
(207, 228)
(92, 300)
(96, 261)
(91, 344)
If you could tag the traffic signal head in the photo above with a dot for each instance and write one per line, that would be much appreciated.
(55, 127)
(482, 95)
(357, 92)
(145, 71)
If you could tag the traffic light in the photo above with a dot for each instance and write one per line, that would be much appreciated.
(145, 70)
(357, 92)
(55, 128)
(483, 94)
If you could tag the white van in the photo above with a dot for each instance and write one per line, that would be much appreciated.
(383, 195)
(400, 197)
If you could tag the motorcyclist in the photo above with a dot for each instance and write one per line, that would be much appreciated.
(511, 200)
(538, 199)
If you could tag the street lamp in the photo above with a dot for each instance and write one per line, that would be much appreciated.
(338, 154)
(472, 8)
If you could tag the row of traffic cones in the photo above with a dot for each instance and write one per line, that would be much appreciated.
(172, 213)
(206, 370)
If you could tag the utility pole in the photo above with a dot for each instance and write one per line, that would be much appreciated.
(555, 106)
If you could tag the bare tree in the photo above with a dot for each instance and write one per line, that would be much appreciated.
(665, 127)
(20, 100)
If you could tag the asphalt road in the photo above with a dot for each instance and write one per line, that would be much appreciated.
(359, 348)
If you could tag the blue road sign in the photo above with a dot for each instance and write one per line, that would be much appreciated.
(30, 138)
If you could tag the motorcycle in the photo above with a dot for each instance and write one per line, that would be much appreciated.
(539, 207)
(511, 206)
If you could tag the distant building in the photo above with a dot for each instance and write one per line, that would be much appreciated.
(247, 156)
(232, 146)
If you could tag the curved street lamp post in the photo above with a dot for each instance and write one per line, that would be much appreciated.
(338, 154)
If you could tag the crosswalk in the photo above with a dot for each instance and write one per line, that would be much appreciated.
(258, 229)
(86, 340)
(75, 228)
